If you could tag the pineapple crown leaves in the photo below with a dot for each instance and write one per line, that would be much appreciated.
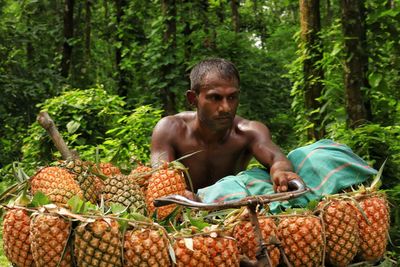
(171, 217)
(171, 253)
(118, 209)
(376, 183)
(19, 173)
(79, 206)
(39, 199)
(20, 188)
(295, 212)
(197, 221)
(228, 217)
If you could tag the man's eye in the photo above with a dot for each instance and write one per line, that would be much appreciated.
(233, 97)
(215, 98)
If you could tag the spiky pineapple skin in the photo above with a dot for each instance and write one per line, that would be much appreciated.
(146, 247)
(86, 180)
(207, 251)
(141, 175)
(49, 238)
(302, 240)
(247, 242)
(57, 183)
(374, 236)
(162, 183)
(105, 168)
(342, 233)
(98, 243)
(120, 189)
(16, 242)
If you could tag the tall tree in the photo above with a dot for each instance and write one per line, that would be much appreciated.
(121, 73)
(310, 21)
(168, 96)
(356, 61)
(88, 27)
(68, 34)
(235, 15)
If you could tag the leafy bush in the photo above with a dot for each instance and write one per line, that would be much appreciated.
(376, 143)
(130, 139)
(88, 119)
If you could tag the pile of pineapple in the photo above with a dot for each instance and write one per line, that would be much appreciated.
(76, 213)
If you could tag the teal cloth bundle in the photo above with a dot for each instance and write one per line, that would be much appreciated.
(326, 167)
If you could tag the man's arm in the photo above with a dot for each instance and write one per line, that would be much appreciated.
(162, 144)
(270, 155)
(162, 147)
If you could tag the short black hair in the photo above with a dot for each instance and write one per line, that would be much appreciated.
(224, 68)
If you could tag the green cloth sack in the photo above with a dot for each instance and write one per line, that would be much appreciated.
(325, 166)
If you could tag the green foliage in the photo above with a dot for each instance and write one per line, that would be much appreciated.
(375, 144)
(82, 116)
(91, 120)
(130, 139)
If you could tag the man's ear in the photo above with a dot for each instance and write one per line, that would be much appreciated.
(191, 97)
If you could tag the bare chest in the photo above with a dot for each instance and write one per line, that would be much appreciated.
(213, 162)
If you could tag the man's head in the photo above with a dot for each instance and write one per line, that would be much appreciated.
(215, 93)
(222, 68)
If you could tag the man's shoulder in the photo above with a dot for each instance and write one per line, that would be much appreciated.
(181, 117)
(247, 124)
(176, 121)
(250, 126)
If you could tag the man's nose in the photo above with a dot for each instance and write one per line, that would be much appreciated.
(225, 106)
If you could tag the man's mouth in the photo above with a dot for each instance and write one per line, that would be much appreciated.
(225, 118)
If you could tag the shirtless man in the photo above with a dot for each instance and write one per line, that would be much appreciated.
(226, 142)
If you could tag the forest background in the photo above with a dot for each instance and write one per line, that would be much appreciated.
(106, 71)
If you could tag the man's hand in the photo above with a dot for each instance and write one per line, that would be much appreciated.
(280, 180)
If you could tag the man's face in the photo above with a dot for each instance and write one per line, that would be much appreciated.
(217, 102)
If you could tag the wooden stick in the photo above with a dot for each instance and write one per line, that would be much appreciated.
(48, 124)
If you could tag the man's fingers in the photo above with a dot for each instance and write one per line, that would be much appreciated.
(283, 184)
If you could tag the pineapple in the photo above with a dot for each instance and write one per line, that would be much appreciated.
(146, 247)
(120, 189)
(16, 237)
(207, 251)
(163, 182)
(85, 179)
(49, 238)
(105, 168)
(374, 236)
(247, 242)
(98, 243)
(341, 228)
(302, 240)
(141, 175)
(57, 183)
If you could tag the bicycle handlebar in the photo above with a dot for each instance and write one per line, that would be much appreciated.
(297, 185)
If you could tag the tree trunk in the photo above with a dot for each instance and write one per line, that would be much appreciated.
(220, 12)
(168, 8)
(310, 22)
(356, 61)
(121, 73)
(88, 28)
(329, 12)
(68, 34)
(261, 25)
(235, 15)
